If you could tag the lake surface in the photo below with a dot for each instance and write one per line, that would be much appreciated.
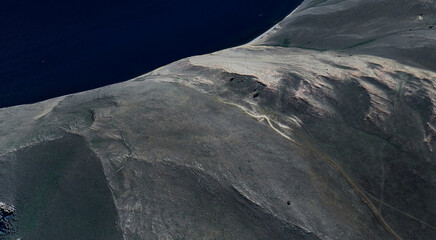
(53, 48)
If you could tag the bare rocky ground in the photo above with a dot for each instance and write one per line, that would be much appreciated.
(323, 128)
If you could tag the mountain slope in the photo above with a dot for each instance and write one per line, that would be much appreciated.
(271, 140)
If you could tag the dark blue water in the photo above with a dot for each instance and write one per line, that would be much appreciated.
(50, 48)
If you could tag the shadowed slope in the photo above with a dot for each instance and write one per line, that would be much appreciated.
(60, 192)
(402, 30)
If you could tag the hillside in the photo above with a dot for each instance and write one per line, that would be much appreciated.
(322, 128)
